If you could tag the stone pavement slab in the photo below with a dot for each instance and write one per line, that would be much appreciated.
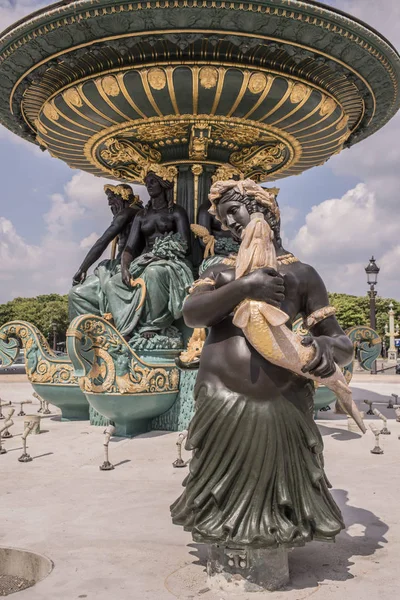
(110, 535)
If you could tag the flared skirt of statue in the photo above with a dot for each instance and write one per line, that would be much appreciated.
(256, 476)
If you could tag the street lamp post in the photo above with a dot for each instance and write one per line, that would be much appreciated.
(372, 271)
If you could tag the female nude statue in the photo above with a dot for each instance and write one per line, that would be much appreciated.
(155, 252)
(256, 477)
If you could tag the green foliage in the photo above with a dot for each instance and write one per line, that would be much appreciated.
(41, 311)
(354, 310)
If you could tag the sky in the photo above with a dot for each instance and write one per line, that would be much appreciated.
(334, 217)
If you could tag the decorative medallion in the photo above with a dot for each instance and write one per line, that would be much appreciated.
(257, 83)
(328, 106)
(208, 77)
(157, 79)
(298, 93)
(50, 112)
(110, 86)
(72, 97)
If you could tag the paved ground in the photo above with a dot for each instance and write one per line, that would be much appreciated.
(110, 536)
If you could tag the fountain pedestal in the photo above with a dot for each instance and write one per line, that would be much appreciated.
(239, 570)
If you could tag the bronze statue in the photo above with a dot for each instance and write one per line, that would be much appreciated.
(213, 243)
(257, 478)
(156, 251)
(88, 294)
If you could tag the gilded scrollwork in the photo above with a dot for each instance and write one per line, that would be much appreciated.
(115, 368)
(42, 365)
(264, 156)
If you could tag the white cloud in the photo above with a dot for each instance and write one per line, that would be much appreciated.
(340, 235)
(88, 241)
(28, 270)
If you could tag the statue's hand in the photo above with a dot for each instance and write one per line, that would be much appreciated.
(79, 277)
(323, 364)
(126, 276)
(264, 285)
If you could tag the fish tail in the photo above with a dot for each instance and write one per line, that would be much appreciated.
(242, 314)
(274, 316)
(345, 398)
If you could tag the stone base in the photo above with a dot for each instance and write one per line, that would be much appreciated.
(238, 570)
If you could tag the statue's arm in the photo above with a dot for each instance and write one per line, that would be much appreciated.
(332, 344)
(205, 220)
(207, 305)
(102, 243)
(217, 293)
(134, 247)
(183, 226)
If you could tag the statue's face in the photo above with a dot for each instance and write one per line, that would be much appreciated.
(110, 197)
(153, 186)
(234, 216)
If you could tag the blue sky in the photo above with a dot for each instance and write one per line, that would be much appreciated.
(334, 217)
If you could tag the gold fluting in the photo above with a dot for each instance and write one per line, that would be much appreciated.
(157, 78)
(298, 93)
(110, 86)
(197, 171)
(208, 77)
(257, 83)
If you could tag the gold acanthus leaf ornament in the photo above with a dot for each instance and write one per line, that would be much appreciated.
(120, 152)
(153, 132)
(208, 77)
(157, 78)
(235, 132)
(226, 172)
(259, 156)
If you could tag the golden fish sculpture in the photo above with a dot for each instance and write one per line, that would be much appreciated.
(264, 325)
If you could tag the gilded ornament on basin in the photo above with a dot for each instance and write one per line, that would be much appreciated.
(343, 122)
(257, 83)
(110, 86)
(208, 77)
(73, 97)
(327, 107)
(50, 111)
(298, 93)
(157, 78)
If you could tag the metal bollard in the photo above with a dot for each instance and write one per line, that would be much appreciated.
(109, 431)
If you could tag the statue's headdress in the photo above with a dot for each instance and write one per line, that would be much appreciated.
(125, 192)
(165, 173)
(265, 197)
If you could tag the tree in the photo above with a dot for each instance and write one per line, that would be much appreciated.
(42, 312)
